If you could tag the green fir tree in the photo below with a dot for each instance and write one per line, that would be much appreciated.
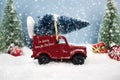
(11, 27)
(1, 38)
(110, 27)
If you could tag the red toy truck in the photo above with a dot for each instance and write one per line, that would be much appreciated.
(47, 48)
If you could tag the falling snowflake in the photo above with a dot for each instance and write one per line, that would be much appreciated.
(20, 14)
(1, 3)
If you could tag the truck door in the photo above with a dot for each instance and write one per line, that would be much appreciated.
(62, 49)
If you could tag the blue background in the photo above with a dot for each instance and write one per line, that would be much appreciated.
(88, 10)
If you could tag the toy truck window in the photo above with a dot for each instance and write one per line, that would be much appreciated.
(61, 41)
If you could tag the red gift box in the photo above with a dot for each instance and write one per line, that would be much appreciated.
(99, 48)
(15, 51)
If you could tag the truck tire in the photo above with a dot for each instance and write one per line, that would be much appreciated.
(78, 59)
(43, 59)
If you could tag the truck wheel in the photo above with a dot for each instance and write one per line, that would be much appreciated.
(43, 59)
(78, 59)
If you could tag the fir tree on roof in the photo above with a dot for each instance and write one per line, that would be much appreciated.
(45, 26)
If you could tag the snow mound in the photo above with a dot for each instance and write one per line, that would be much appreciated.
(97, 66)
(7, 59)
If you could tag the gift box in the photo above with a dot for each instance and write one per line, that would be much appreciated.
(99, 48)
(15, 51)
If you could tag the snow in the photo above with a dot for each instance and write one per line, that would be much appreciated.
(96, 67)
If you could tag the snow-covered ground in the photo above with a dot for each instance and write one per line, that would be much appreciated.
(96, 67)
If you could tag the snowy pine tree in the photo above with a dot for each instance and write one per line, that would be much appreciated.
(45, 26)
(1, 38)
(110, 28)
(11, 27)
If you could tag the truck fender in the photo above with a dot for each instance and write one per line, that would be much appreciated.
(77, 51)
(44, 53)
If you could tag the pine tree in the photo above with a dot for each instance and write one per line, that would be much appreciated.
(110, 27)
(11, 27)
(1, 38)
(45, 26)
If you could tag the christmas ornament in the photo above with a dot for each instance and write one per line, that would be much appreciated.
(114, 52)
(99, 48)
(14, 50)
